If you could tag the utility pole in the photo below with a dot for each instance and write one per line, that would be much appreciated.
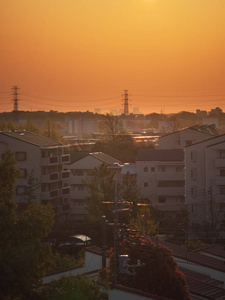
(104, 222)
(116, 241)
(125, 103)
(15, 99)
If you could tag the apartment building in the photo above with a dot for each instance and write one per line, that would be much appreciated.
(187, 136)
(205, 182)
(80, 168)
(43, 159)
(160, 176)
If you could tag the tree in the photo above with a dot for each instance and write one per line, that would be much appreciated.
(32, 185)
(101, 190)
(157, 273)
(72, 287)
(130, 192)
(112, 126)
(143, 223)
(24, 259)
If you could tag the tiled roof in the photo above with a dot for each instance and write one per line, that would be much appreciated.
(207, 129)
(160, 155)
(77, 156)
(105, 158)
(214, 250)
(98, 155)
(203, 285)
(196, 257)
(31, 138)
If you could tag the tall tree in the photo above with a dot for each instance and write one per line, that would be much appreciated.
(112, 126)
(157, 273)
(101, 190)
(24, 259)
(143, 223)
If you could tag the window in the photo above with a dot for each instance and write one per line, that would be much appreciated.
(21, 190)
(77, 172)
(80, 187)
(188, 143)
(162, 200)
(22, 173)
(80, 203)
(45, 187)
(171, 183)
(162, 169)
(222, 190)
(145, 169)
(179, 169)
(222, 173)
(21, 156)
(222, 154)
(153, 169)
(145, 184)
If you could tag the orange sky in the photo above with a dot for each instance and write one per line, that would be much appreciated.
(71, 55)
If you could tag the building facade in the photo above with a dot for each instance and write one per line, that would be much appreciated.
(205, 182)
(41, 160)
(160, 176)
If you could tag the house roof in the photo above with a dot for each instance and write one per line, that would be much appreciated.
(207, 129)
(31, 138)
(104, 158)
(160, 155)
(77, 156)
(210, 139)
(196, 257)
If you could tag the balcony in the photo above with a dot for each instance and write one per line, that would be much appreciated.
(220, 198)
(65, 174)
(50, 194)
(170, 175)
(50, 177)
(220, 162)
(66, 207)
(170, 191)
(220, 180)
(49, 161)
(65, 191)
(65, 159)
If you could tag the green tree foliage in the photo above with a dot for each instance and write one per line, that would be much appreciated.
(73, 287)
(158, 273)
(143, 223)
(101, 190)
(130, 191)
(24, 259)
(8, 175)
(32, 185)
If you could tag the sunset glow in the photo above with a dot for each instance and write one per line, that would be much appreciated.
(81, 55)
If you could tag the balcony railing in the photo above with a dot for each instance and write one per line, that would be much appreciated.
(65, 190)
(220, 162)
(65, 159)
(50, 177)
(220, 180)
(49, 161)
(65, 174)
